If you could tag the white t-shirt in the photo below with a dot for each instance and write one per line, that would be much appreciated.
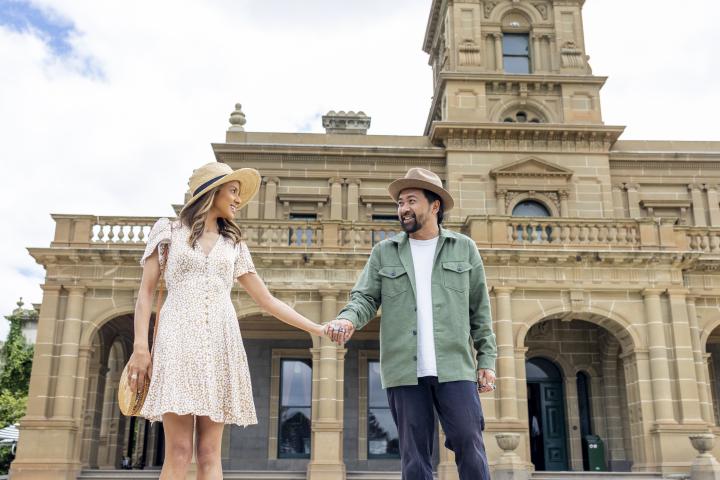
(423, 254)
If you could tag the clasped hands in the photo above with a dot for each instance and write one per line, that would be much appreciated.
(339, 330)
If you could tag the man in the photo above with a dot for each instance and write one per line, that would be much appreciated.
(431, 284)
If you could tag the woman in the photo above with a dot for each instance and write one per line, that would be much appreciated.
(199, 373)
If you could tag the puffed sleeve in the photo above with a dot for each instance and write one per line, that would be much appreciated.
(159, 238)
(243, 260)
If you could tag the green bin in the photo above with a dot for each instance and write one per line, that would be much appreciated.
(594, 454)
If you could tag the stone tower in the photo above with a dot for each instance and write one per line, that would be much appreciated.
(512, 80)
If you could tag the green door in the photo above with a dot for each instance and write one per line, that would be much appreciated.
(546, 413)
(554, 439)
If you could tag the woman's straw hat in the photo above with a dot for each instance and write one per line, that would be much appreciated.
(215, 174)
(425, 180)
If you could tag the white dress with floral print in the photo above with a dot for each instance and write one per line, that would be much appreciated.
(199, 363)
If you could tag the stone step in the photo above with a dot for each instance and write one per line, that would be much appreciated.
(229, 475)
(154, 474)
(596, 476)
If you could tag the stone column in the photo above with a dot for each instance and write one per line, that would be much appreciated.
(498, 52)
(564, 209)
(501, 196)
(336, 198)
(554, 53)
(618, 203)
(69, 355)
(37, 404)
(698, 205)
(659, 365)
(536, 55)
(633, 200)
(37, 457)
(326, 462)
(608, 393)
(271, 184)
(507, 392)
(93, 415)
(713, 206)
(701, 372)
(353, 199)
(684, 359)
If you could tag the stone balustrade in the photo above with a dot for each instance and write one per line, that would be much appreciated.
(701, 239)
(488, 231)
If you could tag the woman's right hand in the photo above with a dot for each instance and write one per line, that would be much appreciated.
(139, 369)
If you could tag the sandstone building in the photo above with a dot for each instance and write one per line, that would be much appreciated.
(602, 258)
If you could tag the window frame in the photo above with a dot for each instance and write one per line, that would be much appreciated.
(526, 36)
(277, 356)
(365, 357)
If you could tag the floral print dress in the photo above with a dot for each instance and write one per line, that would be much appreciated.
(199, 362)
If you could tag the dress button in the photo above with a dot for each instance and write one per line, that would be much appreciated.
(415, 357)
(414, 332)
(392, 274)
(459, 268)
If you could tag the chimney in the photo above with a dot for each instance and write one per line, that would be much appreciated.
(348, 123)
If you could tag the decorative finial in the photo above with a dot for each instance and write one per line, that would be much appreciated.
(237, 119)
(20, 303)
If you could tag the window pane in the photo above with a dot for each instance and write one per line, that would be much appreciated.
(296, 386)
(530, 208)
(382, 434)
(519, 65)
(515, 44)
(376, 395)
(294, 438)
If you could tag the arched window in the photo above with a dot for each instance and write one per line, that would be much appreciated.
(530, 208)
(522, 116)
(542, 370)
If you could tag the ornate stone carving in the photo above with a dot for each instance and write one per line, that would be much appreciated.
(543, 9)
(572, 57)
(469, 53)
(489, 7)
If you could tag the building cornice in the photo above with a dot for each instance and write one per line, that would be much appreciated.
(389, 155)
(431, 28)
(528, 79)
(524, 137)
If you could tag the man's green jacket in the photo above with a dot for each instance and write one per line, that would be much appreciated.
(461, 309)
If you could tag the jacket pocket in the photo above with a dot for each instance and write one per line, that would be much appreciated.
(394, 281)
(456, 275)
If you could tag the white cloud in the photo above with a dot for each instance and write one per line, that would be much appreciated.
(123, 141)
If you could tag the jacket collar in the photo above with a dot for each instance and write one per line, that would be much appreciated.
(403, 237)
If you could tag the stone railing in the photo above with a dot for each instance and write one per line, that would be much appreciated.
(570, 233)
(487, 231)
(122, 232)
(700, 239)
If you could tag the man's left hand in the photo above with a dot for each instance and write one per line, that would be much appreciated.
(486, 380)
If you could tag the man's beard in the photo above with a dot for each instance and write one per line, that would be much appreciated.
(412, 226)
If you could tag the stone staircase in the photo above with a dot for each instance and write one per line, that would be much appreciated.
(600, 476)
(301, 475)
(228, 475)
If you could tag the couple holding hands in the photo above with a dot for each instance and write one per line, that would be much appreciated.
(435, 309)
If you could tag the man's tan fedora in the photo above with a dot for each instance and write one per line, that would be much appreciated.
(425, 180)
(214, 174)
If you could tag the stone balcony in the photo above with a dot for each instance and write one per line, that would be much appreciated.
(489, 232)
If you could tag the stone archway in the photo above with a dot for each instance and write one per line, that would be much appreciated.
(108, 437)
(580, 345)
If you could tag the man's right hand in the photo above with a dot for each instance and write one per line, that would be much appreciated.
(339, 330)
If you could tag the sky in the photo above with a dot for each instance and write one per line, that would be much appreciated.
(107, 107)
